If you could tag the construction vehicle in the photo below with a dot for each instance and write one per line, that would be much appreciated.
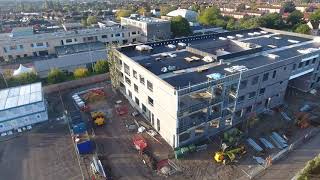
(98, 118)
(227, 156)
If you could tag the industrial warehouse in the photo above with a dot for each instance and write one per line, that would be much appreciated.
(195, 87)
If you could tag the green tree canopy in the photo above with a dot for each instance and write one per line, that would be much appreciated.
(315, 16)
(211, 16)
(232, 25)
(303, 29)
(101, 66)
(80, 73)
(55, 76)
(195, 7)
(289, 6)
(180, 26)
(92, 20)
(295, 17)
(123, 13)
(272, 20)
(249, 22)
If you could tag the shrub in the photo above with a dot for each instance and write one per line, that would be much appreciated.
(80, 73)
(101, 67)
(55, 76)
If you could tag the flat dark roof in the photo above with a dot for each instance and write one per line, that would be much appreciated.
(283, 45)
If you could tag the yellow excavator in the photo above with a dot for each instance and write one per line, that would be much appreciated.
(98, 118)
(227, 156)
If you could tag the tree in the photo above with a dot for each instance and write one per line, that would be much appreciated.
(56, 76)
(303, 29)
(142, 11)
(210, 16)
(289, 6)
(101, 67)
(315, 16)
(123, 13)
(91, 20)
(195, 7)
(295, 18)
(164, 10)
(232, 25)
(80, 73)
(180, 26)
(272, 20)
(249, 23)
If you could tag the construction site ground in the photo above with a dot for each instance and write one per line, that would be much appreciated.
(113, 141)
(47, 151)
(120, 159)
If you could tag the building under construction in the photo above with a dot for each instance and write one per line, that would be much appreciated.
(194, 87)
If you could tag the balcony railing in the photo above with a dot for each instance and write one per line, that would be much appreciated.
(199, 106)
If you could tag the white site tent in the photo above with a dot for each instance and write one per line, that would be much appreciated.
(22, 69)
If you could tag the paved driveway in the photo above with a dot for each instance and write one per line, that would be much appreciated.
(287, 168)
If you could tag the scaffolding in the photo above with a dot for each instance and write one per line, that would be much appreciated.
(113, 67)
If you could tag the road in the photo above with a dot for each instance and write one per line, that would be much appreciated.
(296, 160)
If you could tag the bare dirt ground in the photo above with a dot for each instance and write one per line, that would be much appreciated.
(114, 142)
(45, 152)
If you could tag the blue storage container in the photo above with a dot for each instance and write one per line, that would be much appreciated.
(85, 147)
(79, 128)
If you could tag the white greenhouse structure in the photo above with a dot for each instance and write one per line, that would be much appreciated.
(22, 106)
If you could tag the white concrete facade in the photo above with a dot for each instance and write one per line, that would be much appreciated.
(44, 44)
(165, 100)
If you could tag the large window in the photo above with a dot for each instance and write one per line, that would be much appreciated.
(135, 88)
(274, 74)
(150, 101)
(144, 108)
(135, 74)
(300, 65)
(137, 101)
(262, 90)
(126, 69)
(68, 40)
(158, 124)
(252, 95)
(141, 79)
(149, 85)
(307, 63)
(130, 94)
(40, 44)
(265, 77)
(104, 36)
(128, 81)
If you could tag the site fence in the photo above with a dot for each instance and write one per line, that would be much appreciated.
(75, 83)
(256, 170)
